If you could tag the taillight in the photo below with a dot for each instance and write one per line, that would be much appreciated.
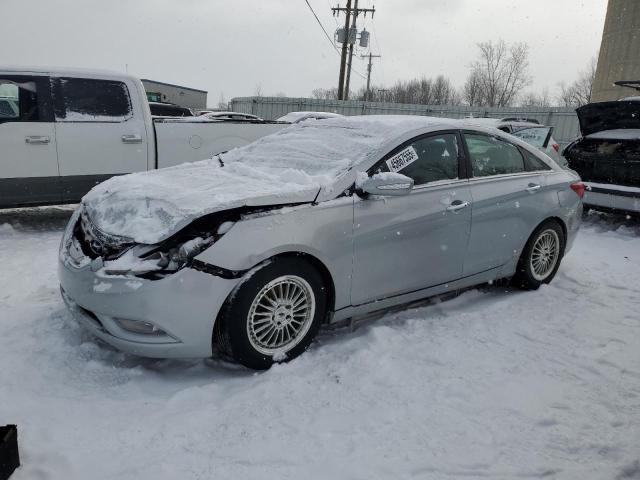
(579, 188)
(556, 147)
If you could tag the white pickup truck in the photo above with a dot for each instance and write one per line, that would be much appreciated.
(64, 131)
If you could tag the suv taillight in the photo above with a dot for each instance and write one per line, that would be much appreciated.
(556, 147)
(579, 188)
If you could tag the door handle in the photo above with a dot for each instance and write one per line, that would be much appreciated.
(533, 187)
(37, 139)
(457, 205)
(132, 138)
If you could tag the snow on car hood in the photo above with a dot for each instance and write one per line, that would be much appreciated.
(598, 117)
(289, 166)
(151, 206)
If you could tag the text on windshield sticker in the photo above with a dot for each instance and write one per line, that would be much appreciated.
(402, 159)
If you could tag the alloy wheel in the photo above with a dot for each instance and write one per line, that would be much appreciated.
(281, 315)
(545, 254)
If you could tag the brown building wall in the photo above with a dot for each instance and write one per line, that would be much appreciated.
(620, 51)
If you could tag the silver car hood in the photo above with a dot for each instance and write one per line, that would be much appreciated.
(149, 207)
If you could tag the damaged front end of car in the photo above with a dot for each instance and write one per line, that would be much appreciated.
(85, 244)
(111, 255)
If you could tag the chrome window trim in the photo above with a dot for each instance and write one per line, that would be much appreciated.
(507, 176)
(440, 183)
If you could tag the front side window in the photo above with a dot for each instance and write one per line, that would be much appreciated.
(492, 156)
(19, 100)
(89, 100)
(426, 160)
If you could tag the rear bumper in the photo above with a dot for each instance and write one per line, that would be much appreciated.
(184, 305)
(612, 197)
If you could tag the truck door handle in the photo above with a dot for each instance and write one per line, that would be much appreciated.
(132, 138)
(457, 205)
(533, 187)
(37, 139)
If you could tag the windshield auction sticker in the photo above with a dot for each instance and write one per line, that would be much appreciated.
(402, 159)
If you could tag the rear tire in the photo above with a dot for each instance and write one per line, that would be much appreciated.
(273, 315)
(541, 256)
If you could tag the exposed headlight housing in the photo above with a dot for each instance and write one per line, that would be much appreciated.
(113, 255)
(154, 262)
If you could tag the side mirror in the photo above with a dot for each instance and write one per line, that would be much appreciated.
(387, 183)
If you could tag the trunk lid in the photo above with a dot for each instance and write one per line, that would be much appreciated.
(598, 117)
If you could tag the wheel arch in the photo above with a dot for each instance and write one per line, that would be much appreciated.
(322, 269)
(560, 222)
(314, 261)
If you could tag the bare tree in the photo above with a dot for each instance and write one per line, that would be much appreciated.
(532, 99)
(500, 74)
(325, 93)
(423, 91)
(472, 90)
(222, 103)
(258, 91)
(579, 92)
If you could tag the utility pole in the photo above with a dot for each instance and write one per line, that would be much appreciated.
(349, 40)
(367, 95)
(343, 59)
(353, 27)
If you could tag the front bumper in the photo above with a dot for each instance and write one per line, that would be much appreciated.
(184, 305)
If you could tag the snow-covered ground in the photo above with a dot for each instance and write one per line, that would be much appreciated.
(492, 384)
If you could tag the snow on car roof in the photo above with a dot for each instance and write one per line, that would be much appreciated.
(66, 71)
(294, 117)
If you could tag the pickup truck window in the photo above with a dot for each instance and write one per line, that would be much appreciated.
(89, 100)
(19, 100)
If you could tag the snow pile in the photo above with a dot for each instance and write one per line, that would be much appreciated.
(286, 167)
(496, 384)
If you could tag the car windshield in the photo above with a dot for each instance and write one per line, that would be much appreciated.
(327, 147)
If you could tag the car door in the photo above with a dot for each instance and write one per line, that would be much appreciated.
(28, 158)
(100, 132)
(510, 197)
(408, 243)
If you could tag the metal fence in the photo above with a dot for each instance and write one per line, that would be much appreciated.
(564, 120)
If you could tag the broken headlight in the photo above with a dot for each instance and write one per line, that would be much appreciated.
(157, 261)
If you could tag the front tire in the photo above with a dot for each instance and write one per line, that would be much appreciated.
(273, 315)
(541, 256)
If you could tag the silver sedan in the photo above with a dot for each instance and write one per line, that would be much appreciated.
(249, 253)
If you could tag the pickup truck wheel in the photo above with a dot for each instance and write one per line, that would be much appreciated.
(274, 315)
(541, 256)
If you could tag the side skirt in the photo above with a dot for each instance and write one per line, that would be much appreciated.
(389, 302)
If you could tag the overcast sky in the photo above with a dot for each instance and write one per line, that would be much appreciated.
(230, 47)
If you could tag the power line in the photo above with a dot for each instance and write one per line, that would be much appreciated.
(322, 27)
(329, 38)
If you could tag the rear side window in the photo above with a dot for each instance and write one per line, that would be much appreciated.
(533, 163)
(426, 159)
(23, 99)
(89, 100)
(493, 156)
